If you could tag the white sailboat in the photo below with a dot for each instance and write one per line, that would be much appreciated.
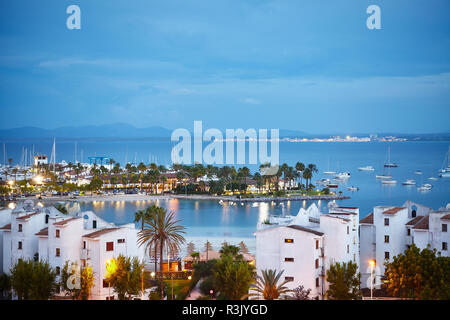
(425, 187)
(388, 163)
(329, 171)
(385, 176)
(445, 170)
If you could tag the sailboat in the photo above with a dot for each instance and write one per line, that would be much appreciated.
(445, 170)
(388, 163)
(384, 175)
(329, 171)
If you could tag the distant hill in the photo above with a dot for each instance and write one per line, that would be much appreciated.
(118, 130)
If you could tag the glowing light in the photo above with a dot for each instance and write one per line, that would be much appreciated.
(152, 274)
(10, 182)
(372, 263)
(40, 204)
(11, 205)
(190, 277)
(38, 179)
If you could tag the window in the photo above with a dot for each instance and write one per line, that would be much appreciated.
(58, 252)
(386, 221)
(317, 244)
(20, 227)
(408, 231)
(84, 244)
(289, 278)
(58, 271)
(289, 240)
(317, 263)
(348, 230)
(94, 224)
(19, 246)
(46, 218)
(386, 239)
(289, 259)
(444, 246)
(120, 240)
(317, 282)
(348, 249)
(110, 246)
(105, 283)
(444, 227)
(413, 213)
(57, 233)
(386, 255)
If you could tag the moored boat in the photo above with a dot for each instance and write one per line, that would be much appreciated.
(409, 182)
(366, 168)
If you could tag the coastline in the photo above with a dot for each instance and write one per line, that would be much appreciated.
(140, 197)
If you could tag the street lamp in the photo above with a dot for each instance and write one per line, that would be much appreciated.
(211, 292)
(372, 265)
(153, 274)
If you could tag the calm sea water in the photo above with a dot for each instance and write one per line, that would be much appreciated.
(208, 219)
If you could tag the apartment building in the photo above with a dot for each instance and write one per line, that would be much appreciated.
(306, 245)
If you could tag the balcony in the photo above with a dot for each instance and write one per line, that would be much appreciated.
(85, 254)
(322, 253)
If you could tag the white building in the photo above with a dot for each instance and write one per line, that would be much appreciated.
(306, 245)
(85, 239)
(389, 231)
(40, 159)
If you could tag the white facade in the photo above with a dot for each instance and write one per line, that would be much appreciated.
(389, 231)
(307, 245)
(84, 239)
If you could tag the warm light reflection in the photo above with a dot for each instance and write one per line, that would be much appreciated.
(263, 212)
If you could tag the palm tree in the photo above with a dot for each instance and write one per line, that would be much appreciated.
(161, 230)
(141, 215)
(299, 166)
(267, 285)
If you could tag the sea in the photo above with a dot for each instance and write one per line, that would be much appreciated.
(217, 223)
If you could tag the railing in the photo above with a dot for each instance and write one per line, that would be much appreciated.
(85, 254)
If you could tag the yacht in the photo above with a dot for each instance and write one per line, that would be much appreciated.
(353, 188)
(409, 182)
(432, 178)
(366, 168)
(446, 164)
(425, 187)
(388, 181)
(418, 172)
(342, 175)
(383, 176)
(323, 181)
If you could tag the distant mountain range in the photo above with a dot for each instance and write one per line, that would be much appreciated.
(126, 131)
(117, 130)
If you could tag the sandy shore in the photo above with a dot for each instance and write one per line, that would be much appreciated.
(141, 197)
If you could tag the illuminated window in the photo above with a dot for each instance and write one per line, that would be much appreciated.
(57, 233)
(58, 252)
(289, 240)
(386, 255)
(386, 239)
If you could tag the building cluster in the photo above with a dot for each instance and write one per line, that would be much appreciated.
(32, 232)
(306, 245)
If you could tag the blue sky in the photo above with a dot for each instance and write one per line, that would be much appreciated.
(304, 65)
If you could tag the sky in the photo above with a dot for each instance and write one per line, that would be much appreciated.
(307, 65)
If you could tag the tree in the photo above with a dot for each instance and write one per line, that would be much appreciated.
(419, 274)
(344, 281)
(243, 247)
(85, 278)
(5, 286)
(34, 280)
(267, 285)
(162, 230)
(190, 248)
(141, 215)
(61, 208)
(124, 275)
(300, 293)
(232, 274)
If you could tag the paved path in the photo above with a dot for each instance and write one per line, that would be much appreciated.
(195, 293)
